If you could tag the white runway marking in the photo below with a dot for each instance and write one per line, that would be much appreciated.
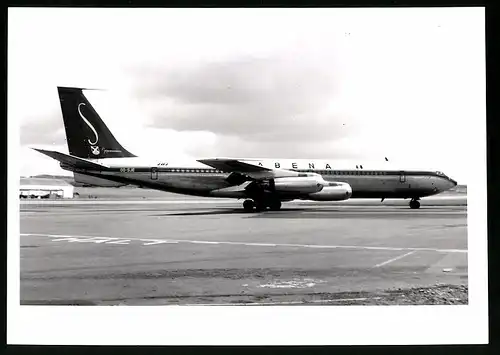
(157, 241)
(202, 242)
(394, 259)
(98, 239)
(281, 303)
(65, 239)
(126, 241)
(208, 200)
(260, 244)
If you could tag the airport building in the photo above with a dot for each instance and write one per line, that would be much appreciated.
(44, 188)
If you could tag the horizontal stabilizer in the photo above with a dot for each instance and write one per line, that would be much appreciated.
(72, 161)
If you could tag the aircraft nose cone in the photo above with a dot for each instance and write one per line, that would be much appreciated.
(453, 182)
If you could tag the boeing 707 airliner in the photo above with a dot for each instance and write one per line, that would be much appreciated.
(97, 158)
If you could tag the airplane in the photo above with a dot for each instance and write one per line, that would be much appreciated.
(97, 158)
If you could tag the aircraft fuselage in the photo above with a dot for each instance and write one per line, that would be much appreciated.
(200, 180)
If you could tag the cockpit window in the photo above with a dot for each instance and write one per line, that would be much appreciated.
(440, 173)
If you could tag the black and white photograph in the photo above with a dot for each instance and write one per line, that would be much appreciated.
(247, 176)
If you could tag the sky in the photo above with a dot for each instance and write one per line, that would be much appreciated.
(361, 84)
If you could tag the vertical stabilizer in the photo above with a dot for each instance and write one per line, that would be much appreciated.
(87, 135)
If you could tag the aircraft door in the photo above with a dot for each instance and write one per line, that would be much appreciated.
(154, 173)
(402, 177)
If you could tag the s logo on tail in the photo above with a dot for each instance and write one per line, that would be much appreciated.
(96, 152)
(87, 135)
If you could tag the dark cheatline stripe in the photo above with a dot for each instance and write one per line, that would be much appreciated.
(321, 172)
(371, 172)
(168, 170)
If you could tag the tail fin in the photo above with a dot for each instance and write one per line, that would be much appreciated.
(86, 133)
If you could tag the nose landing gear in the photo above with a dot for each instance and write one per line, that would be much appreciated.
(414, 204)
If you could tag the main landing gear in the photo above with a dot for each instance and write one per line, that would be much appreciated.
(273, 205)
(414, 204)
(248, 205)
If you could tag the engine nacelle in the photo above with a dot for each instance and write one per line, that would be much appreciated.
(300, 185)
(335, 191)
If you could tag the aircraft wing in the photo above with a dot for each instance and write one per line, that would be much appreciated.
(254, 171)
(233, 165)
(71, 160)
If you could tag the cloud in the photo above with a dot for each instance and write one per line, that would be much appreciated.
(47, 129)
(235, 146)
(282, 97)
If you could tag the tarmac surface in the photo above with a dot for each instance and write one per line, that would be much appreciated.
(192, 251)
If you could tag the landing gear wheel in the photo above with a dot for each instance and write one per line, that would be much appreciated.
(275, 205)
(414, 204)
(248, 205)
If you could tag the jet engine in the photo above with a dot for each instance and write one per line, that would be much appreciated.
(332, 191)
(300, 185)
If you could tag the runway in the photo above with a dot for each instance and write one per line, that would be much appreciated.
(140, 252)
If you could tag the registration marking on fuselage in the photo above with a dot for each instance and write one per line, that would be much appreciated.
(150, 242)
